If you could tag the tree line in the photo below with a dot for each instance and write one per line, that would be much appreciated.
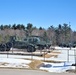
(57, 35)
(14, 26)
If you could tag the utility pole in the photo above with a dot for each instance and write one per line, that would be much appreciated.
(70, 35)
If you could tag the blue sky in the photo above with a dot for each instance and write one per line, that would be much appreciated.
(38, 12)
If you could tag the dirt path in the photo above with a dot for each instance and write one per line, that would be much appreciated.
(29, 72)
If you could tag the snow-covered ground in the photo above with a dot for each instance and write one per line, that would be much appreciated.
(14, 63)
(58, 67)
(67, 60)
(18, 61)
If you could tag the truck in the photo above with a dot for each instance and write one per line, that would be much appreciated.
(30, 43)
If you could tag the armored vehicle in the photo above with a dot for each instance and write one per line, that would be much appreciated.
(30, 43)
(38, 42)
(5, 46)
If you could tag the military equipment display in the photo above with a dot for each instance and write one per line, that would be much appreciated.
(38, 42)
(5, 46)
(68, 45)
(30, 43)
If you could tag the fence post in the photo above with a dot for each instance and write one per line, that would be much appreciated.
(75, 58)
(68, 55)
(44, 52)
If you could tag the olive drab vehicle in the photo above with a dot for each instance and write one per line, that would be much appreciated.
(30, 43)
(37, 42)
(5, 46)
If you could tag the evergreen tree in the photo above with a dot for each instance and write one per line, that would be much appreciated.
(14, 26)
(2, 27)
(29, 29)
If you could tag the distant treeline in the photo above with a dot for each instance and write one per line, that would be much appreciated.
(60, 34)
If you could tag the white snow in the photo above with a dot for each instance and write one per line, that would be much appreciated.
(57, 67)
(17, 61)
(12, 62)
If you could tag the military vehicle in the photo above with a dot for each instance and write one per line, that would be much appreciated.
(38, 41)
(5, 46)
(68, 45)
(30, 43)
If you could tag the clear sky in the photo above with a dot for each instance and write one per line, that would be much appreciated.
(38, 12)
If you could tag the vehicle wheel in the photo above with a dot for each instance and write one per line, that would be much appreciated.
(2, 47)
(31, 49)
(7, 49)
(73, 46)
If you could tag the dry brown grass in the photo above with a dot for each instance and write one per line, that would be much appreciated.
(48, 55)
(52, 54)
(56, 52)
(4, 63)
(35, 64)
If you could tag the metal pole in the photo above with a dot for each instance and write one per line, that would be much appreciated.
(5, 50)
(75, 58)
(32, 54)
(67, 55)
(40, 51)
(44, 53)
(12, 47)
(7, 54)
(70, 35)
